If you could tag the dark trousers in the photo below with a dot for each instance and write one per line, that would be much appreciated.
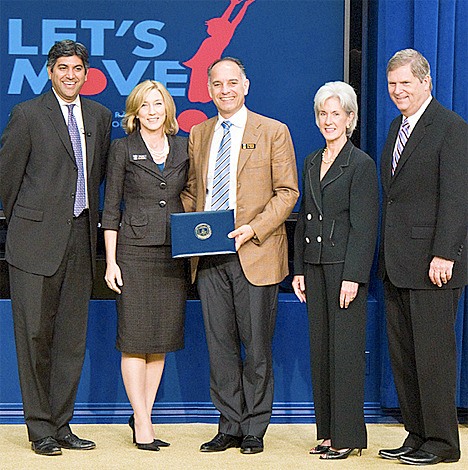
(337, 349)
(236, 312)
(50, 320)
(421, 337)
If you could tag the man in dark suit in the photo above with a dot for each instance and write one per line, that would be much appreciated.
(239, 291)
(49, 186)
(423, 258)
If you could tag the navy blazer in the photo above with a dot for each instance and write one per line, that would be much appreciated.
(338, 217)
(139, 197)
(425, 203)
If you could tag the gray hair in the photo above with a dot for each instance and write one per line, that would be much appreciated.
(420, 67)
(346, 96)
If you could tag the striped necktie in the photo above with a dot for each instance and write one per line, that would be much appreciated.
(220, 193)
(402, 138)
(80, 195)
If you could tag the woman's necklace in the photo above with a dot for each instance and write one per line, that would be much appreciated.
(327, 162)
(159, 156)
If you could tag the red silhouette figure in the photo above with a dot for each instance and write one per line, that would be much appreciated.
(220, 31)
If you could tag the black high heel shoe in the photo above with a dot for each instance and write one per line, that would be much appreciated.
(150, 446)
(131, 423)
(157, 442)
(339, 455)
(319, 449)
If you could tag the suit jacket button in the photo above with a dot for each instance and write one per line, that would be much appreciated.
(162, 203)
(307, 239)
(162, 185)
(69, 221)
(320, 217)
(309, 216)
(319, 239)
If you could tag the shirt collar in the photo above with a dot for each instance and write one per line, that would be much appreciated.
(414, 118)
(62, 102)
(238, 120)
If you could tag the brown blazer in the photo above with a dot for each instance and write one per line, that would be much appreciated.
(266, 192)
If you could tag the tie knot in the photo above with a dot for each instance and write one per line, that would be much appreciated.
(70, 108)
(226, 125)
(405, 124)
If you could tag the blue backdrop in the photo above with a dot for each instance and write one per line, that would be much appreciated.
(439, 30)
(290, 48)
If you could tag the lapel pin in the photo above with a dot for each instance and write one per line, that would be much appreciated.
(248, 146)
(137, 157)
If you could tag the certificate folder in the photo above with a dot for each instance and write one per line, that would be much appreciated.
(202, 233)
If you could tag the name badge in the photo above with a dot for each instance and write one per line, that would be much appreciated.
(136, 157)
(248, 146)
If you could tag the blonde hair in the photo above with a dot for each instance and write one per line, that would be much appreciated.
(137, 97)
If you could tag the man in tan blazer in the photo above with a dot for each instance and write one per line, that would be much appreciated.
(239, 291)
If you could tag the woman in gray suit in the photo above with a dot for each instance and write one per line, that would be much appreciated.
(334, 248)
(146, 172)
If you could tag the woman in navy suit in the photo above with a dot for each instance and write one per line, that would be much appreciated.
(146, 172)
(334, 248)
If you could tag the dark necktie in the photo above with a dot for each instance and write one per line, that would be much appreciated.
(80, 196)
(220, 193)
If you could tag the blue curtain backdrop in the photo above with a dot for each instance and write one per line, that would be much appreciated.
(439, 30)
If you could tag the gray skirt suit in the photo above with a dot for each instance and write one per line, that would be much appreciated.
(334, 241)
(138, 202)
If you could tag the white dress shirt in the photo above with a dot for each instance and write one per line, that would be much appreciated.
(77, 112)
(414, 118)
(238, 121)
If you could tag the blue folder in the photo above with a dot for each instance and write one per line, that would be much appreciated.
(202, 233)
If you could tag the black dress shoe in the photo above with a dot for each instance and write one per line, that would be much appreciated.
(394, 454)
(252, 445)
(72, 441)
(421, 457)
(221, 442)
(46, 446)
